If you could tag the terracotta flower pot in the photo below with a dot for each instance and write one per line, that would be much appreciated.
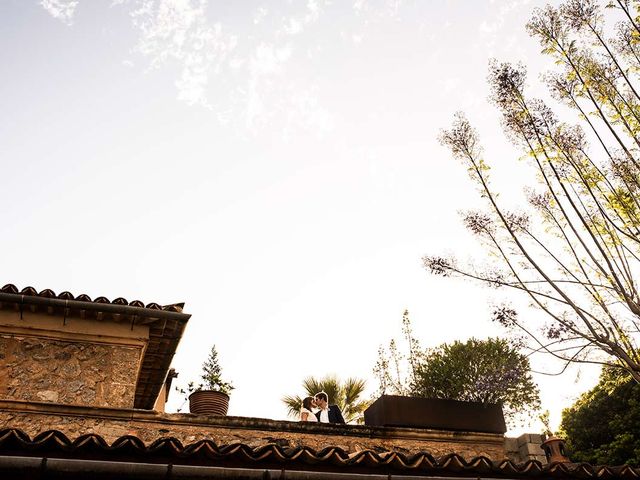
(209, 402)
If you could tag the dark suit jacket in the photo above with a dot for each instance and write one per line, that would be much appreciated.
(335, 415)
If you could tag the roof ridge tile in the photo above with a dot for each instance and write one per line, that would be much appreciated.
(66, 295)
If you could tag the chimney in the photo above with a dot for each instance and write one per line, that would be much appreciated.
(554, 449)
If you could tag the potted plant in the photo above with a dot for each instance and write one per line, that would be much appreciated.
(211, 397)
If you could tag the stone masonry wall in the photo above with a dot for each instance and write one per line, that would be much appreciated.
(58, 371)
(527, 446)
(188, 428)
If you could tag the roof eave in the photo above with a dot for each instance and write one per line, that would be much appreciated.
(140, 312)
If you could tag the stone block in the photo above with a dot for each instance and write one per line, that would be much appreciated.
(537, 438)
(530, 449)
(511, 444)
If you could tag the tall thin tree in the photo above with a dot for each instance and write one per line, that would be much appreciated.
(574, 250)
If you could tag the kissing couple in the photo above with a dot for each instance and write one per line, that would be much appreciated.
(325, 413)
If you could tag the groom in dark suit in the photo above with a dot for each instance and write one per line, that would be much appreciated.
(327, 413)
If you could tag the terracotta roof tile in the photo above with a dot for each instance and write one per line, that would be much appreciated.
(48, 293)
(29, 291)
(206, 452)
(9, 289)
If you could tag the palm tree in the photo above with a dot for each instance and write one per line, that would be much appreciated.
(344, 394)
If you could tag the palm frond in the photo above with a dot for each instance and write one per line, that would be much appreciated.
(293, 404)
(347, 395)
(328, 384)
(353, 388)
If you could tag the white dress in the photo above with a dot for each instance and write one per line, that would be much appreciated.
(310, 418)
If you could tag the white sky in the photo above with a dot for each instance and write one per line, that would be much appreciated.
(272, 164)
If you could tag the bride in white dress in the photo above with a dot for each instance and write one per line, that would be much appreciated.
(306, 415)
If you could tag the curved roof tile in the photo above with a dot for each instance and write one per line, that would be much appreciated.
(9, 288)
(29, 291)
(54, 442)
(48, 293)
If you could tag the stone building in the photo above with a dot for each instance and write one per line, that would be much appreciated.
(82, 390)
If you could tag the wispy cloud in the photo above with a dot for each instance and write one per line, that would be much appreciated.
(238, 67)
(296, 24)
(260, 15)
(491, 30)
(177, 30)
(267, 61)
(309, 113)
(270, 96)
(377, 8)
(62, 10)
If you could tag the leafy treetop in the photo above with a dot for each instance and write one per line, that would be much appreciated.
(488, 371)
(603, 426)
(212, 374)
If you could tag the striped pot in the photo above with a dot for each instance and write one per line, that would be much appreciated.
(208, 402)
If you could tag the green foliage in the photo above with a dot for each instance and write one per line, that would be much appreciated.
(212, 374)
(545, 419)
(394, 377)
(211, 377)
(603, 426)
(487, 371)
(346, 394)
(572, 251)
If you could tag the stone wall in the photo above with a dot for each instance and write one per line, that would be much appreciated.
(525, 447)
(43, 369)
(74, 421)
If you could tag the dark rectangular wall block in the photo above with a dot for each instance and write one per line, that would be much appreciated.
(398, 411)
